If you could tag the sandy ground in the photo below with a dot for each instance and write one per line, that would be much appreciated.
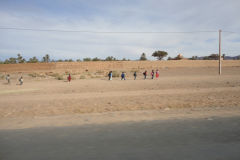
(49, 102)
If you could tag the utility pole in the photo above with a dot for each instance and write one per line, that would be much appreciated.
(220, 65)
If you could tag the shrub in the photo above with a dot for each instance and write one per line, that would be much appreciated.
(34, 75)
(87, 59)
(97, 77)
(110, 58)
(59, 77)
(96, 59)
(99, 72)
(55, 75)
(2, 76)
(115, 74)
(82, 77)
(33, 60)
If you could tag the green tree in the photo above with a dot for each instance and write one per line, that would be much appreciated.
(159, 54)
(194, 58)
(87, 59)
(110, 58)
(206, 58)
(20, 59)
(96, 59)
(213, 57)
(143, 57)
(78, 60)
(33, 60)
(68, 60)
(10, 61)
(46, 58)
(6, 61)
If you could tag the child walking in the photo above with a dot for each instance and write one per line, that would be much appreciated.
(152, 74)
(110, 76)
(123, 76)
(21, 80)
(145, 74)
(135, 75)
(8, 79)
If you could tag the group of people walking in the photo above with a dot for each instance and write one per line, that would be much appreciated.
(123, 75)
(110, 75)
(8, 79)
(153, 74)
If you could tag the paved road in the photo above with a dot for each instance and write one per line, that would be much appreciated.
(202, 139)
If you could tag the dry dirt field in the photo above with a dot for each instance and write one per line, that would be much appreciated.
(44, 100)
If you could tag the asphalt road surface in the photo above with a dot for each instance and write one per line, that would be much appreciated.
(192, 139)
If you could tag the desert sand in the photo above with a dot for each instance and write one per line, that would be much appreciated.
(46, 101)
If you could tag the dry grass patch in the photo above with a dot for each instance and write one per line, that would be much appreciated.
(55, 75)
(35, 75)
(115, 74)
(2, 76)
(82, 77)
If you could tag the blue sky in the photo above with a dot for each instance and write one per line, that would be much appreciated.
(118, 16)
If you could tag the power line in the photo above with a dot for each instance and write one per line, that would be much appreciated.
(231, 32)
(103, 32)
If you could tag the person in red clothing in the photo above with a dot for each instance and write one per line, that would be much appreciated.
(69, 78)
(157, 73)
